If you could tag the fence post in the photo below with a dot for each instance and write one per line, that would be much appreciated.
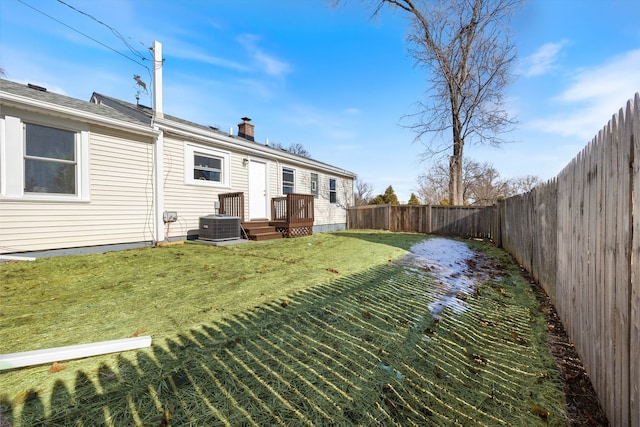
(496, 232)
(388, 225)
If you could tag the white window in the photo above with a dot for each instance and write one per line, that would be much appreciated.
(288, 180)
(44, 159)
(314, 184)
(206, 166)
(333, 194)
(50, 160)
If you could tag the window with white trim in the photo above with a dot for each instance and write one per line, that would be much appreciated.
(288, 180)
(50, 160)
(206, 167)
(333, 193)
(44, 158)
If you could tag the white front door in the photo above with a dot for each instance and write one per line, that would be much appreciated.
(257, 190)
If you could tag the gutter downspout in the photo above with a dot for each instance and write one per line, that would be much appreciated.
(158, 185)
(158, 152)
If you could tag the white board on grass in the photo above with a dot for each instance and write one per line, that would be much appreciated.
(58, 354)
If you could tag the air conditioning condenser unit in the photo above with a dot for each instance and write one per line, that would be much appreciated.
(219, 227)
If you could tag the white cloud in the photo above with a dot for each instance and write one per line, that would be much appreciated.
(594, 96)
(542, 60)
(607, 82)
(190, 54)
(269, 64)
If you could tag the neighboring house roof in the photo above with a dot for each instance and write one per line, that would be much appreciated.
(145, 113)
(12, 93)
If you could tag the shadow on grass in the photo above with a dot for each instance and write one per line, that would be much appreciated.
(360, 350)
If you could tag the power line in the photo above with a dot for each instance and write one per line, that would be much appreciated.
(113, 30)
(87, 36)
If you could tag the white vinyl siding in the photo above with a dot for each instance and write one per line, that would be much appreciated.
(327, 213)
(120, 210)
(191, 201)
(117, 172)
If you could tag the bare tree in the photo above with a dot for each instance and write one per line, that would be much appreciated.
(433, 185)
(485, 185)
(363, 192)
(524, 184)
(481, 182)
(465, 48)
(297, 149)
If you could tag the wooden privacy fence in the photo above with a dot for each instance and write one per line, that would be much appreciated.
(579, 236)
(451, 221)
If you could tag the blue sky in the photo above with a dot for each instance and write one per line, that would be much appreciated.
(332, 79)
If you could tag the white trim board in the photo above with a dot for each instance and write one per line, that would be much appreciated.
(16, 258)
(57, 354)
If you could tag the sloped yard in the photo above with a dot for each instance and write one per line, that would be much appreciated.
(333, 329)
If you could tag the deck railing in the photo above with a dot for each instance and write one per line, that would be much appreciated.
(232, 204)
(293, 214)
(300, 208)
(293, 208)
(279, 208)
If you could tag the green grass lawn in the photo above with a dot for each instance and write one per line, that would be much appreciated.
(304, 331)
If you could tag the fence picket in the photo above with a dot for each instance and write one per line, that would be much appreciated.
(631, 145)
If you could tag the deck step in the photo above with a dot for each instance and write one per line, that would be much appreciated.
(260, 230)
(265, 236)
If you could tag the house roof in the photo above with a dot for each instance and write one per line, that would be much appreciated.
(39, 96)
(146, 113)
(117, 113)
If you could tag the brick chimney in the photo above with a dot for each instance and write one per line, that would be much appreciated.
(245, 129)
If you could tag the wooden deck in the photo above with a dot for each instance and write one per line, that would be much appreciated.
(291, 216)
